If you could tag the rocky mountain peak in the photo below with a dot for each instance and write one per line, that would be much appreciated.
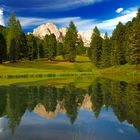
(50, 28)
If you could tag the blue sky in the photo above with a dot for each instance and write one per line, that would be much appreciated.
(85, 13)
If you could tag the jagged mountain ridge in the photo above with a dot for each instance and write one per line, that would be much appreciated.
(50, 28)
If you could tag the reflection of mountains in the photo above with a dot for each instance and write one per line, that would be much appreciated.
(41, 111)
(49, 100)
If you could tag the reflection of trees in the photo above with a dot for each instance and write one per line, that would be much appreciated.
(96, 98)
(124, 98)
(2, 101)
(50, 98)
(72, 99)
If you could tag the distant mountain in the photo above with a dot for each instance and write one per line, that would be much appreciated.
(50, 28)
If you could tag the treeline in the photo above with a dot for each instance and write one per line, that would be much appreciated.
(16, 45)
(121, 48)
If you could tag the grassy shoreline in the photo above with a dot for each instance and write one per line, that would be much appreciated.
(26, 71)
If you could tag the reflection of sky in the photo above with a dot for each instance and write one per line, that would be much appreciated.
(86, 127)
(4, 132)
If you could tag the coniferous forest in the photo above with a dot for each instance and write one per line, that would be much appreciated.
(122, 47)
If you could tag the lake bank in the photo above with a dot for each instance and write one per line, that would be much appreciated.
(28, 71)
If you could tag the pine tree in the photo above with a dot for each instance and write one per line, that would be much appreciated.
(59, 48)
(41, 49)
(32, 47)
(135, 41)
(118, 48)
(95, 48)
(50, 46)
(128, 34)
(15, 33)
(80, 48)
(3, 50)
(13, 53)
(35, 48)
(52, 50)
(106, 52)
(11, 32)
(70, 41)
(21, 40)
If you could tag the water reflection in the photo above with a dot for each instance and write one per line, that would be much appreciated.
(102, 96)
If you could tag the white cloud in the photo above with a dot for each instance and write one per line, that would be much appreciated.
(1, 17)
(119, 10)
(82, 24)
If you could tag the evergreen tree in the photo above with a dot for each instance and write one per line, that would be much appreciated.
(46, 45)
(70, 41)
(41, 49)
(80, 48)
(52, 50)
(128, 34)
(15, 33)
(135, 41)
(50, 46)
(32, 47)
(106, 50)
(59, 48)
(118, 48)
(13, 51)
(3, 50)
(95, 47)
(11, 32)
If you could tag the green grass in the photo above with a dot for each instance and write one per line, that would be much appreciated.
(42, 69)
(129, 73)
(28, 71)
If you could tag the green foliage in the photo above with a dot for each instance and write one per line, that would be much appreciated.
(80, 48)
(118, 48)
(3, 49)
(135, 41)
(40, 48)
(95, 50)
(13, 53)
(106, 52)
(50, 46)
(59, 48)
(15, 33)
(70, 41)
(32, 47)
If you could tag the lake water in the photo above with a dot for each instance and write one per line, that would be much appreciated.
(102, 110)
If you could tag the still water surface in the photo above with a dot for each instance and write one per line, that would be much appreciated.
(103, 110)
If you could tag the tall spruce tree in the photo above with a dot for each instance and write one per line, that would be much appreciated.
(128, 34)
(135, 41)
(80, 48)
(3, 49)
(106, 52)
(40, 48)
(70, 41)
(46, 45)
(32, 47)
(95, 48)
(52, 50)
(11, 32)
(13, 53)
(15, 33)
(50, 46)
(118, 48)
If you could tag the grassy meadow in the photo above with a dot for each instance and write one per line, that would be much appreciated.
(28, 71)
